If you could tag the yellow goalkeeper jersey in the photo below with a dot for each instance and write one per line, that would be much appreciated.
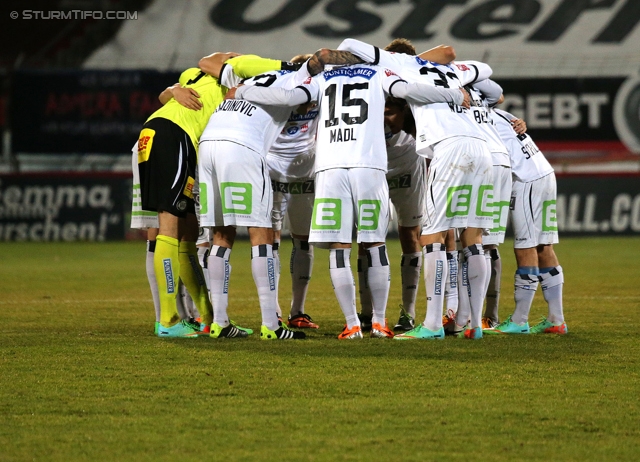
(212, 91)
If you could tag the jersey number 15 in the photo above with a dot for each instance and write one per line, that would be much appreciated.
(363, 115)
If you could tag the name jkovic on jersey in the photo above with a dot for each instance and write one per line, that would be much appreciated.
(237, 105)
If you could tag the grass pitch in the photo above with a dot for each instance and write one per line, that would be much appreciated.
(82, 376)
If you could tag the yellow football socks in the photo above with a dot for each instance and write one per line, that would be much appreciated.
(166, 264)
(193, 278)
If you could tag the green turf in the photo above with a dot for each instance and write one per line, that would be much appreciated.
(82, 376)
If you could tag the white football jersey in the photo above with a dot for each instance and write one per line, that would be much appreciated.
(252, 125)
(527, 161)
(351, 121)
(434, 122)
(298, 135)
(401, 152)
(482, 115)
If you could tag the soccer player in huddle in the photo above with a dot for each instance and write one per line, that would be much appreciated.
(485, 94)
(458, 198)
(406, 178)
(236, 191)
(351, 186)
(290, 160)
(148, 221)
(533, 213)
(166, 164)
(407, 190)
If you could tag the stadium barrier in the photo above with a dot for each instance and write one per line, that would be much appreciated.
(65, 207)
(604, 204)
(97, 207)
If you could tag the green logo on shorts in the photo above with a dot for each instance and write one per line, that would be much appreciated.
(327, 214)
(236, 198)
(368, 215)
(203, 199)
(500, 215)
(549, 220)
(458, 200)
(484, 208)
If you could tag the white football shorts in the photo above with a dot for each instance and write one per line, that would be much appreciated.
(293, 190)
(288, 168)
(533, 212)
(348, 197)
(459, 186)
(298, 207)
(407, 191)
(501, 196)
(235, 189)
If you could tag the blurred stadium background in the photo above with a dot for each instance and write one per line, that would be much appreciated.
(77, 86)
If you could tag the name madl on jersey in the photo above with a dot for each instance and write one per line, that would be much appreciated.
(338, 135)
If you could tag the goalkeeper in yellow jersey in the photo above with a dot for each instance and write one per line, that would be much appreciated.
(167, 159)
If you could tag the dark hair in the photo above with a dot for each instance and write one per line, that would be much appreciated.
(401, 45)
(395, 102)
(409, 125)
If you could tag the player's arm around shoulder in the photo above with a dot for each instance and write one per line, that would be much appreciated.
(491, 91)
(187, 97)
(373, 55)
(246, 66)
(214, 63)
(442, 54)
(275, 96)
(167, 94)
(240, 67)
(472, 71)
(518, 125)
(422, 93)
(325, 56)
